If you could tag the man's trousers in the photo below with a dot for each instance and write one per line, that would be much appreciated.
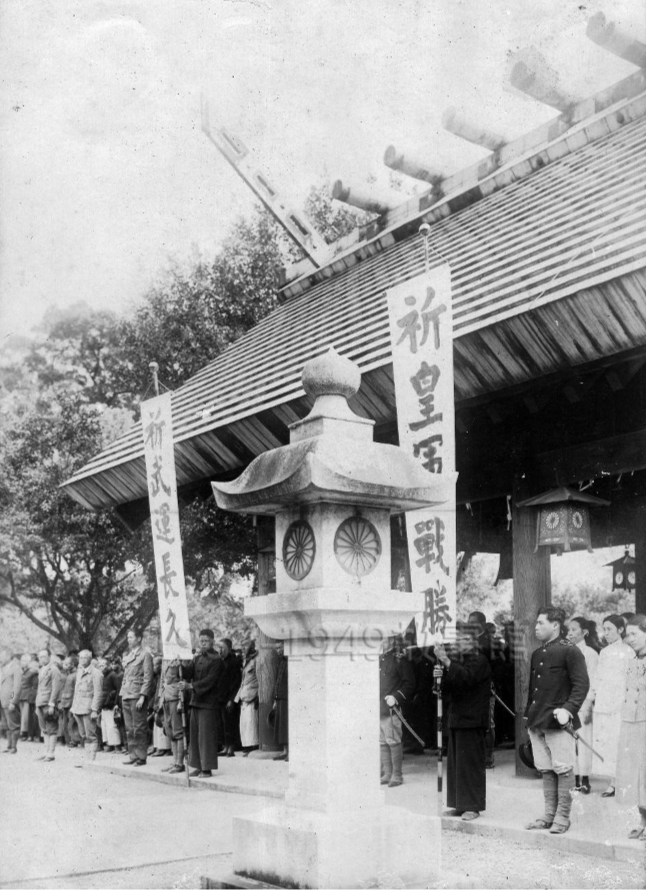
(48, 722)
(87, 728)
(136, 729)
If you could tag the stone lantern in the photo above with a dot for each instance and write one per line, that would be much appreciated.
(332, 490)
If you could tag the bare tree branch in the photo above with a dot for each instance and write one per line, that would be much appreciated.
(14, 600)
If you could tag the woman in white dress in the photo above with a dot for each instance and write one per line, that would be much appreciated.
(608, 695)
(583, 633)
(248, 698)
(631, 756)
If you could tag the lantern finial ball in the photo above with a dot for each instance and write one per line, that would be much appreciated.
(331, 374)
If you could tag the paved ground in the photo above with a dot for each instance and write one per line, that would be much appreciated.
(80, 828)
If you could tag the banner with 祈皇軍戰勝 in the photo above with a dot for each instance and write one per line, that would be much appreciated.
(157, 423)
(421, 330)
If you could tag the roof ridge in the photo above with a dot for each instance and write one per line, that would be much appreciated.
(582, 121)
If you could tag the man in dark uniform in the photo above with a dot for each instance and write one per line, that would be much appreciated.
(558, 685)
(478, 623)
(205, 673)
(396, 685)
(467, 681)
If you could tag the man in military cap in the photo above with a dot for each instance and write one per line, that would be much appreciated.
(50, 683)
(558, 685)
(396, 685)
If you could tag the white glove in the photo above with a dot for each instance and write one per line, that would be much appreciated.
(391, 701)
(562, 716)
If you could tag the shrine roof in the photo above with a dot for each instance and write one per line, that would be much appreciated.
(548, 272)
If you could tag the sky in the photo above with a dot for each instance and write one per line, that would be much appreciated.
(106, 176)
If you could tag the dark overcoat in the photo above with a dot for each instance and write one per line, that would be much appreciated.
(467, 683)
(558, 679)
(205, 674)
(396, 678)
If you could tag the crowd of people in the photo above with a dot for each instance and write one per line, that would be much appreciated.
(585, 713)
(140, 705)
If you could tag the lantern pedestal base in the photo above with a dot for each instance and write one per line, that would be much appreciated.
(293, 847)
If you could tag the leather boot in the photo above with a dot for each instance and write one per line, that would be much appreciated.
(386, 764)
(179, 752)
(562, 817)
(397, 754)
(551, 794)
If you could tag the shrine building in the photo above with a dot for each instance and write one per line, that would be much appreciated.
(546, 242)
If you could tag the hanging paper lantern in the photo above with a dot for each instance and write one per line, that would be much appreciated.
(563, 520)
(624, 576)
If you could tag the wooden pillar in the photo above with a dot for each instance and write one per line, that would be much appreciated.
(268, 658)
(640, 555)
(532, 590)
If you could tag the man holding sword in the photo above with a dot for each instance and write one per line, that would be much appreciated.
(558, 685)
(396, 686)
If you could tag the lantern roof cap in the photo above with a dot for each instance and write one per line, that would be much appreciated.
(625, 560)
(332, 458)
(561, 495)
(326, 469)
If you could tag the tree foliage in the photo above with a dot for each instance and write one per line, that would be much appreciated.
(80, 350)
(79, 575)
(333, 220)
(81, 568)
(193, 314)
(592, 598)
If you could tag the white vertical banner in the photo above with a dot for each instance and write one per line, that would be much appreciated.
(421, 330)
(157, 423)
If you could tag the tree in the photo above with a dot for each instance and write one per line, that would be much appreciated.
(76, 575)
(333, 220)
(79, 349)
(192, 314)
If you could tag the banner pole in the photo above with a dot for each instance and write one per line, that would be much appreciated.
(182, 710)
(440, 764)
(154, 367)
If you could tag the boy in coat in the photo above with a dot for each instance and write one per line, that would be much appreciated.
(396, 686)
(558, 685)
